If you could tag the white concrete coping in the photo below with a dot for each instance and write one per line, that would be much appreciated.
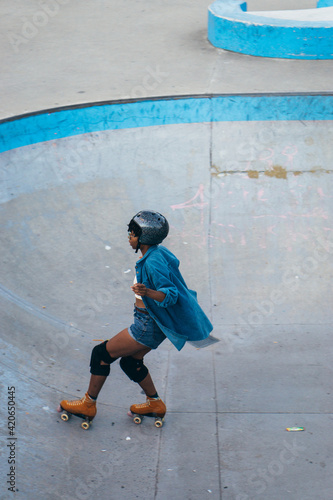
(320, 15)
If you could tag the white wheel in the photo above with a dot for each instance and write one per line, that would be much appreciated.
(64, 416)
(159, 422)
(85, 425)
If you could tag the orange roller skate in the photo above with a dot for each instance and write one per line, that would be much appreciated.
(153, 407)
(84, 408)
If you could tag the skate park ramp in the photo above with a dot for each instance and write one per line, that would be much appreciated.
(246, 184)
(125, 106)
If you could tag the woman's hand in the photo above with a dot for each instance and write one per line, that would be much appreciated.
(141, 290)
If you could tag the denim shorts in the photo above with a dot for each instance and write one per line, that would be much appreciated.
(145, 330)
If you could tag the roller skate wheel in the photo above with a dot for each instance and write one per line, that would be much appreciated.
(64, 416)
(85, 425)
(159, 422)
(137, 419)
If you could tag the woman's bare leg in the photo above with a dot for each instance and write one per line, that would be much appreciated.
(95, 385)
(148, 386)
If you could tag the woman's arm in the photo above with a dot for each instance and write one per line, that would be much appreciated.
(143, 291)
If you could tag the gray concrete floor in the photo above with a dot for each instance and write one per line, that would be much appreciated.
(229, 404)
(132, 49)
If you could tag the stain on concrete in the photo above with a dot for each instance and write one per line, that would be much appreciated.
(277, 171)
(319, 170)
(253, 174)
(309, 141)
(215, 171)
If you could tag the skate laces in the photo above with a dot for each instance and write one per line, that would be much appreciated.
(83, 400)
(150, 402)
(143, 405)
(76, 401)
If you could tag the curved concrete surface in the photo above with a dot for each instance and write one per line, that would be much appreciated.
(298, 34)
(123, 50)
(246, 183)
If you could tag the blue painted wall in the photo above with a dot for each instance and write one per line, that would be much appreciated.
(47, 126)
(325, 3)
(230, 28)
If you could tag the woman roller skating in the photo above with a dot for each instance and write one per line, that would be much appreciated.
(164, 307)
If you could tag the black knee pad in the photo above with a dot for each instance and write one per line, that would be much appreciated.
(134, 368)
(98, 354)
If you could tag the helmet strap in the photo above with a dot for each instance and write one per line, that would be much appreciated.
(138, 247)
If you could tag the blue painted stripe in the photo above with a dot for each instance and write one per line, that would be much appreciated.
(70, 122)
(48, 126)
(271, 108)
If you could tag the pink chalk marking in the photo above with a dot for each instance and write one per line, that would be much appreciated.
(317, 212)
(290, 152)
(217, 238)
(187, 204)
(267, 156)
(321, 193)
(260, 195)
(270, 215)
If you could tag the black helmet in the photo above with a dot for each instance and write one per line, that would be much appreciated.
(153, 227)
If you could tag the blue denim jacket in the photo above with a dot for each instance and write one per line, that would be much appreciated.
(179, 315)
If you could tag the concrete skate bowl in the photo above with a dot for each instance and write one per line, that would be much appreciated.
(246, 184)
